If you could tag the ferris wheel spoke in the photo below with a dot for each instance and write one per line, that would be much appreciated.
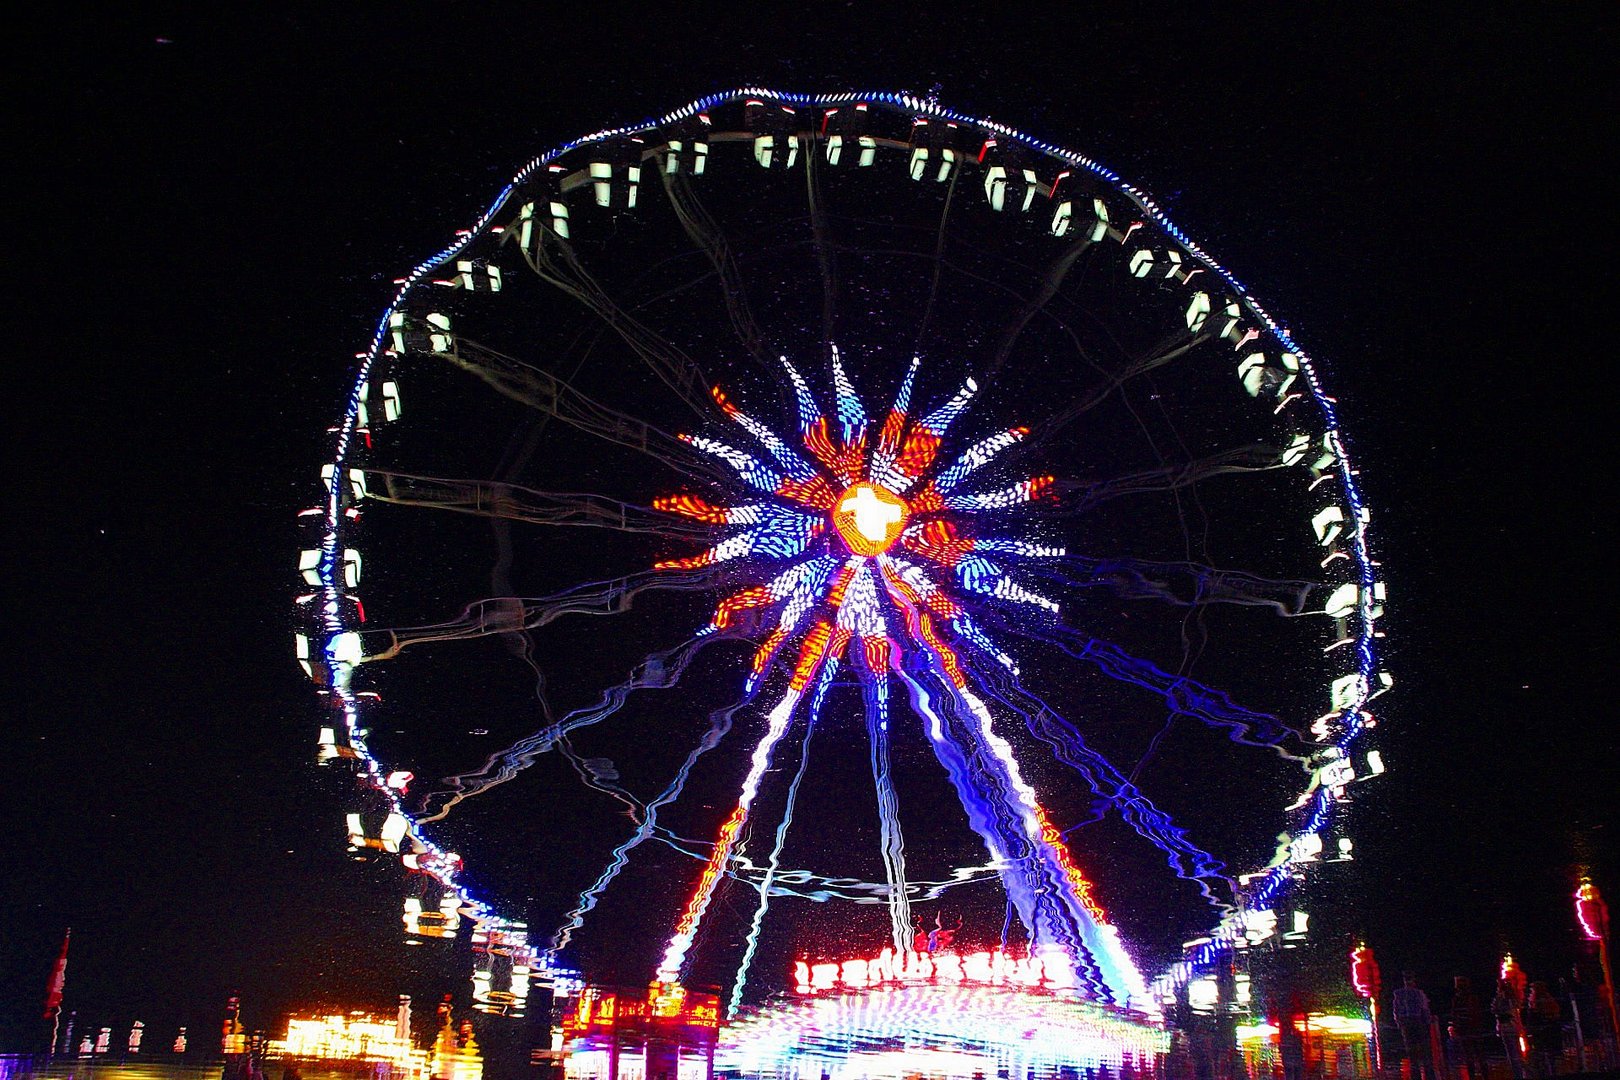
(1182, 695)
(550, 395)
(990, 817)
(556, 263)
(660, 671)
(1003, 810)
(599, 774)
(647, 827)
(508, 614)
(939, 261)
(674, 959)
(514, 502)
(892, 842)
(1031, 305)
(1176, 346)
(773, 865)
(1185, 584)
(1051, 282)
(1074, 497)
(1187, 859)
(706, 234)
(1098, 946)
(1002, 849)
(988, 282)
(826, 258)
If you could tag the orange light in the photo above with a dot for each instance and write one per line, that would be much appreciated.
(711, 870)
(927, 501)
(1077, 880)
(918, 452)
(889, 437)
(762, 656)
(694, 562)
(814, 492)
(812, 653)
(941, 542)
(693, 507)
(847, 460)
(756, 596)
(947, 657)
(840, 585)
(870, 518)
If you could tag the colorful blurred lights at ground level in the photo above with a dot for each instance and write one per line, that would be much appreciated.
(938, 1014)
(939, 1028)
(361, 1039)
(632, 1033)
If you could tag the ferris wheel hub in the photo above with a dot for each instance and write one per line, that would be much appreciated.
(870, 518)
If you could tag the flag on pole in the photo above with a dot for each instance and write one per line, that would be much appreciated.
(53, 988)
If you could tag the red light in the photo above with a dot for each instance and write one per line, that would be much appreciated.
(693, 507)
(1077, 880)
(918, 453)
(941, 542)
(814, 492)
(1591, 912)
(756, 596)
(1364, 971)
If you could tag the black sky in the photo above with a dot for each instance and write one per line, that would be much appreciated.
(215, 206)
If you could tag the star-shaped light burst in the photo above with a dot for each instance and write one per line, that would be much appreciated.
(858, 522)
(871, 541)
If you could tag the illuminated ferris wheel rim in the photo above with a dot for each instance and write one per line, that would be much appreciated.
(331, 564)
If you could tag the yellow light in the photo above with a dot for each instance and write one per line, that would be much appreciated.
(1340, 1025)
(870, 518)
(359, 1037)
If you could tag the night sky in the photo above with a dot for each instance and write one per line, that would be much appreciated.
(214, 212)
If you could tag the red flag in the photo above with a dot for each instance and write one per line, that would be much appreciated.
(53, 989)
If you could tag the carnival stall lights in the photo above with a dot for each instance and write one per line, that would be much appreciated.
(1329, 1044)
(382, 1043)
(629, 1033)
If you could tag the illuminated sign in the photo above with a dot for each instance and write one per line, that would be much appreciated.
(1048, 968)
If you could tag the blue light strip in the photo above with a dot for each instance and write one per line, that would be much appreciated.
(751, 944)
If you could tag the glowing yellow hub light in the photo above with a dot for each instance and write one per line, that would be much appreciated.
(870, 518)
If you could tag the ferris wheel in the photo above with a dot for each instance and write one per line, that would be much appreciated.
(805, 516)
